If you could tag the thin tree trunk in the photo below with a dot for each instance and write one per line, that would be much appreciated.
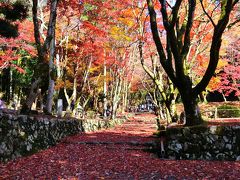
(34, 93)
(73, 97)
(104, 87)
(116, 97)
(52, 75)
(125, 95)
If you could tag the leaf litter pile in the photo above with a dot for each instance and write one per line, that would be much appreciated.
(116, 153)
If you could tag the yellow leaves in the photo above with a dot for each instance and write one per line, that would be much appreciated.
(221, 64)
(126, 21)
(2, 53)
(119, 34)
(60, 84)
(216, 81)
(225, 44)
(128, 15)
(114, 30)
(95, 69)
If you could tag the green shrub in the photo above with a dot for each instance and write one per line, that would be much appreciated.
(91, 114)
(227, 111)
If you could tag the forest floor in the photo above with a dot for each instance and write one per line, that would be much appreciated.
(116, 153)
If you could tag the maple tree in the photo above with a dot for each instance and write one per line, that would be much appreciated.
(147, 52)
(42, 50)
(79, 53)
(93, 49)
(168, 93)
(15, 50)
(200, 47)
(11, 15)
(178, 39)
(226, 80)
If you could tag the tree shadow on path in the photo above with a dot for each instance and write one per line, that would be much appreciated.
(117, 153)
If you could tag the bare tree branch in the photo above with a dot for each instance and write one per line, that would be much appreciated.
(233, 23)
(186, 46)
(204, 10)
(36, 29)
(175, 10)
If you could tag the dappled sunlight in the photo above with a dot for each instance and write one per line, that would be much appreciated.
(62, 162)
(136, 154)
(224, 121)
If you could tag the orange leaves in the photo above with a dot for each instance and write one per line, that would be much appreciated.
(93, 29)
(214, 84)
(60, 84)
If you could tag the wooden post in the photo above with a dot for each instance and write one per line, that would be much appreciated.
(59, 107)
(215, 113)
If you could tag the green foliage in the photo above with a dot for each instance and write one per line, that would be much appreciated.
(91, 114)
(227, 111)
(24, 79)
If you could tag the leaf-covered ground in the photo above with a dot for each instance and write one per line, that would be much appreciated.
(116, 153)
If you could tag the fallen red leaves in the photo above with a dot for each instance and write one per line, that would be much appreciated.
(111, 154)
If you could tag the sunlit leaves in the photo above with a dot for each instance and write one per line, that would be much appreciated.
(11, 47)
(119, 34)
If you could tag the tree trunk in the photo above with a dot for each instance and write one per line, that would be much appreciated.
(179, 48)
(42, 49)
(104, 87)
(224, 98)
(171, 111)
(114, 109)
(116, 96)
(191, 110)
(34, 92)
(192, 113)
(51, 77)
(125, 96)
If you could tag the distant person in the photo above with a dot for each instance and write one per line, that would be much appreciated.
(72, 105)
(2, 104)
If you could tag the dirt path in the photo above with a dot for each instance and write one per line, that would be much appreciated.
(116, 153)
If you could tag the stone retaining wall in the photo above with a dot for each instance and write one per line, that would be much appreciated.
(210, 143)
(22, 135)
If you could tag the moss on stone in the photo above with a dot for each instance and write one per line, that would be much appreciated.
(227, 111)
